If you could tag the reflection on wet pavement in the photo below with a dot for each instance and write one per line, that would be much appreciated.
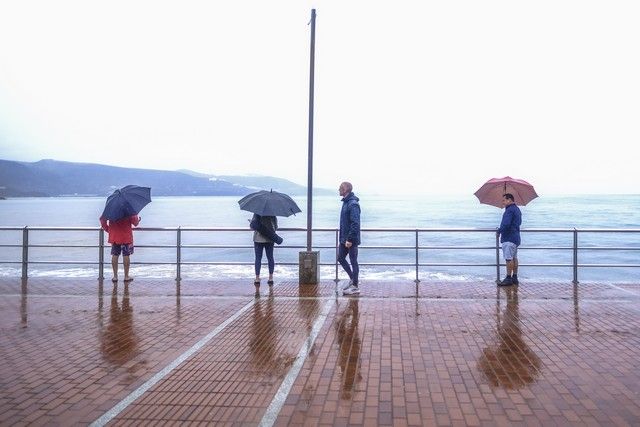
(349, 342)
(510, 363)
(263, 336)
(118, 341)
(23, 303)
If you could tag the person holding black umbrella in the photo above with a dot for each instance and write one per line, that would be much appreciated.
(266, 205)
(262, 243)
(121, 239)
(119, 216)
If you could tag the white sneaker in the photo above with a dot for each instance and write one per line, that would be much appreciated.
(347, 286)
(351, 290)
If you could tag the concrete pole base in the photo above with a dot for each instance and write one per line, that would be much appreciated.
(309, 272)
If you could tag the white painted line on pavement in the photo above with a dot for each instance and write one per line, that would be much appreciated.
(124, 403)
(281, 395)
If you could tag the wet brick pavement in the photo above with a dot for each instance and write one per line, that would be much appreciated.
(399, 354)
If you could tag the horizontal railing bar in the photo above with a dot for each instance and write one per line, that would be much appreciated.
(608, 248)
(61, 246)
(565, 248)
(453, 264)
(65, 262)
(239, 247)
(590, 248)
(399, 230)
(609, 265)
(244, 263)
(372, 264)
(608, 230)
(219, 246)
(450, 247)
(107, 248)
(52, 228)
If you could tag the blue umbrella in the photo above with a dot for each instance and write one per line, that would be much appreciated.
(126, 201)
(269, 203)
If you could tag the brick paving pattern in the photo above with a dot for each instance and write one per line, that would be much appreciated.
(399, 354)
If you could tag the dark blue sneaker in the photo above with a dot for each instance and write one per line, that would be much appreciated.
(514, 279)
(506, 282)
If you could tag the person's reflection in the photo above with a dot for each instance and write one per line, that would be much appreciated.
(119, 342)
(350, 347)
(263, 339)
(511, 363)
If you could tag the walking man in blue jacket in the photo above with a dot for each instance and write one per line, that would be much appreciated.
(509, 232)
(349, 237)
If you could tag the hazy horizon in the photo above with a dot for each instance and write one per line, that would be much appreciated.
(356, 190)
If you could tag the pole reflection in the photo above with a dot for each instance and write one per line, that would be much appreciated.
(100, 316)
(576, 308)
(510, 363)
(23, 303)
(308, 306)
(350, 347)
(178, 308)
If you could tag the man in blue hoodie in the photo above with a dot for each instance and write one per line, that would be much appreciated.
(509, 232)
(349, 237)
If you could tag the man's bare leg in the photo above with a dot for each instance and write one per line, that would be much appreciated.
(126, 261)
(114, 267)
(510, 267)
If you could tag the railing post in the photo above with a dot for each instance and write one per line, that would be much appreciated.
(178, 254)
(337, 244)
(417, 258)
(101, 255)
(575, 256)
(497, 257)
(25, 252)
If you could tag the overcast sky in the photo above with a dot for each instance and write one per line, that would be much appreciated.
(411, 96)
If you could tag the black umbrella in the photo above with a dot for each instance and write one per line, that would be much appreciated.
(269, 203)
(126, 201)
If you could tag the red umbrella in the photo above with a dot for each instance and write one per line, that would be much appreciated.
(491, 192)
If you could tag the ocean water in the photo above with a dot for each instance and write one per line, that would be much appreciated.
(390, 212)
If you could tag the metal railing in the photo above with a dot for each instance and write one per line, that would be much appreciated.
(575, 248)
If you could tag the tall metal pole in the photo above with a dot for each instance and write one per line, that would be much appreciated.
(310, 154)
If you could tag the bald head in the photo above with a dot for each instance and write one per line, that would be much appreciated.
(345, 188)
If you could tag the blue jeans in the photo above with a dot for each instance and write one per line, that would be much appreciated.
(354, 269)
(268, 248)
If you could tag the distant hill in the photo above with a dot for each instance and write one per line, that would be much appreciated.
(50, 178)
(260, 182)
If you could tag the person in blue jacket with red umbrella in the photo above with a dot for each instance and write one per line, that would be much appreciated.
(509, 232)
